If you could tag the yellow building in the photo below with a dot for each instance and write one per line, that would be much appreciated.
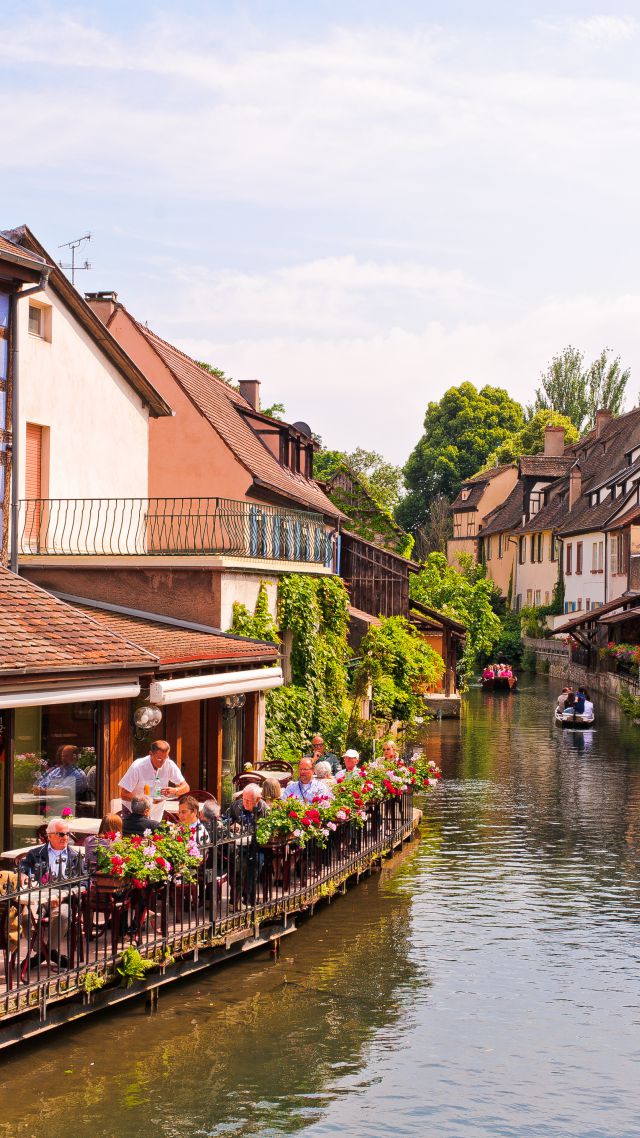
(478, 497)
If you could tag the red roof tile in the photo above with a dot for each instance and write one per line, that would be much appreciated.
(39, 633)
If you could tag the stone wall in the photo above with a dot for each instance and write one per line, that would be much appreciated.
(561, 668)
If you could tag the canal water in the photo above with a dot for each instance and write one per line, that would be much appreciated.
(485, 983)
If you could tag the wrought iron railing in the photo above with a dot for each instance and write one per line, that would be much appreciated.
(171, 526)
(62, 938)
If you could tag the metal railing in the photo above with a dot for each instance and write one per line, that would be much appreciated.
(171, 526)
(65, 937)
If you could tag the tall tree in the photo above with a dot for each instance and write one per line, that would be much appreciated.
(530, 438)
(460, 432)
(572, 389)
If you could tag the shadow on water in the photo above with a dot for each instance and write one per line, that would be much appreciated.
(255, 1048)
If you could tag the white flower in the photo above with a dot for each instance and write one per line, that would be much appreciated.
(331, 826)
(433, 782)
(297, 833)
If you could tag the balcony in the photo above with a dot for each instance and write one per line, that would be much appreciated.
(171, 527)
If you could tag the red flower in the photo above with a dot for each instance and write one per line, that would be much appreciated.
(292, 814)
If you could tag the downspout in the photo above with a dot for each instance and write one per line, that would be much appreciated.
(15, 415)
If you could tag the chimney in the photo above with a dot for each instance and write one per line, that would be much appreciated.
(102, 303)
(575, 485)
(602, 418)
(554, 442)
(250, 390)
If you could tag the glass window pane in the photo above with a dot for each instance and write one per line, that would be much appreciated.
(4, 310)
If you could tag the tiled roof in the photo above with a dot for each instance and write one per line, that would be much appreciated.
(224, 407)
(473, 497)
(544, 466)
(175, 645)
(487, 475)
(585, 518)
(15, 252)
(507, 517)
(39, 633)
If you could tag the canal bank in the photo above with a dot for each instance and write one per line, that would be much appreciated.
(484, 983)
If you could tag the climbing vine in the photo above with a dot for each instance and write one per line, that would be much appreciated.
(258, 625)
(400, 666)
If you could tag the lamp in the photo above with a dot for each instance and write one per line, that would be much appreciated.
(146, 717)
(234, 702)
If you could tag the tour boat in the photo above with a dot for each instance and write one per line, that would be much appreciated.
(499, 683)
(569, 720)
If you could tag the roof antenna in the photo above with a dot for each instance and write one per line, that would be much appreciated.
(73, 245)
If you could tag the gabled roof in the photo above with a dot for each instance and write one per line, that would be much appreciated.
(438, 618)
(11, 251)
(585, 518)
(229, 414)
(544, 466)
(40, 634)
(487, 475)
(24, 239)
(178, 645)
(476, 486)
(506, 517)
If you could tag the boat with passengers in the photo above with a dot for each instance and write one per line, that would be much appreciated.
(499, 677)
(574, 709)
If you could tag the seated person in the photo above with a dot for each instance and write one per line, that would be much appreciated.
(152, 768)
(389, 751)
(319, 751)
(488, 672)
(248, 807)
(562, 699)
(271, 791)
(138, 821)
(350, 760)
(322, 771)
(52, 863)
(64, 777)
(210, 814)
(189, 816)
(588, 706)
(306, 787)
(109, 832)
(578, 706)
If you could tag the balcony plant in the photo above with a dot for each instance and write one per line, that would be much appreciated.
(625, 656)
(154, 859)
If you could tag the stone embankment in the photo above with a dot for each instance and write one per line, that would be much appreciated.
(561, 667)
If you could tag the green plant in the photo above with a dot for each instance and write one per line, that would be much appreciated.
(92, 982)
(258, 625)
(509, 645)
(464, 594)
(133, 966)
(401, 668)
(629, 703)
(529, 660)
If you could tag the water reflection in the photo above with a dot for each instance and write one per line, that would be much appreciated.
(253, 1048)
(485, 985)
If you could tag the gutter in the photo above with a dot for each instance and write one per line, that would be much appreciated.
(15, 412)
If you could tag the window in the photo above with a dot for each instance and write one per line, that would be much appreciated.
(540, 547)
(533, 548)
(537, 598)
(471, 526)
(579, 605)
(456, 525)
(35, 321)
(594, 557)
(529, 596)
(588, 605)
(488, 548)
(569, 561)
(553, 543)
(546, 596)
(464, 494)
(522, 550)
(578, 557)
(600, 556)
(500, 546)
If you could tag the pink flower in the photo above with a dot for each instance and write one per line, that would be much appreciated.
(66, 812)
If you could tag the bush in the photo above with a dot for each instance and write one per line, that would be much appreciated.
(529, 660)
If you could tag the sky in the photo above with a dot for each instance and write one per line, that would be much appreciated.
(359, 204)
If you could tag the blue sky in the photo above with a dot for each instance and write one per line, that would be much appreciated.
(359, 204)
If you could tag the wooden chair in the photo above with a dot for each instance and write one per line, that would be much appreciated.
(243, 779)
(202, 796)
(275, 765)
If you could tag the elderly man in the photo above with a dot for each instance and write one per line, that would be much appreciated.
(188, 815)
(154, 774)
(319, 752)
(51, 864)
(248, 807)
(350, 760)
(139, 821)
(306, 786)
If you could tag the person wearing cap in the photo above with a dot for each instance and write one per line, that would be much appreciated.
(349, 771)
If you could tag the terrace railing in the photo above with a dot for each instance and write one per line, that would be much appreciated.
(240, 885)
(122, 527)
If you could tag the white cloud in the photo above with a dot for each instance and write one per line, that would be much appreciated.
(607, 29)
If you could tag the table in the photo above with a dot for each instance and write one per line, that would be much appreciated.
(22, 851)
(283, 777)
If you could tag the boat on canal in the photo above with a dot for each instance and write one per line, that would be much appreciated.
(499, 679)
(567, 719)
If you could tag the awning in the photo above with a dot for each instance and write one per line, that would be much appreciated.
(215, 685)
(620, 617)
(47, 696)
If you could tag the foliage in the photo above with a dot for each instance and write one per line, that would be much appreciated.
(290, 819)
(133, 966)
(382, 479)
(532, 621)
(275, 411)
(529, 660)
(509, 644)
(401, 667)
(164, 854)
(460, 431)
(27, 769)
(630, 704)
(257, 626)
(530, 438)
(92, 982)
(368, 517)
(466, 595)
(315, 613)
(578, 391)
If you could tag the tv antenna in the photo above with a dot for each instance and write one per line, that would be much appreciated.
(73, 245)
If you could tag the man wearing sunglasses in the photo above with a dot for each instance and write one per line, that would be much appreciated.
(51, 865)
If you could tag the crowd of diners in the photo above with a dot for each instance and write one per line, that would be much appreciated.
(56, 860)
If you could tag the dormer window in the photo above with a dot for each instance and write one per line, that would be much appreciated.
(464, 494)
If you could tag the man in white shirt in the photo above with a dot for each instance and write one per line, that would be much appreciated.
(155, 769)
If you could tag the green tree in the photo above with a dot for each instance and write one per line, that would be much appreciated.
(400, 666)
(460, 431)
(464, 594)
(275, 411)
(577, 391)
(530, 438)
(218, 372)
(382, 479)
